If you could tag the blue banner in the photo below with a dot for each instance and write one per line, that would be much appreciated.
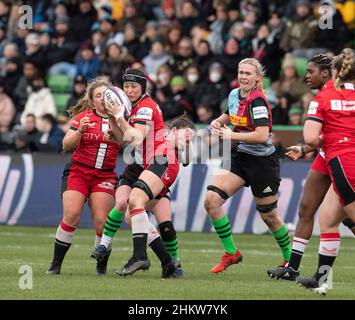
(30, 195)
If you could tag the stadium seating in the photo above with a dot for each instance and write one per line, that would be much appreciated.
(267, 82)
(61, 100)
(59, 83)
(301, 65)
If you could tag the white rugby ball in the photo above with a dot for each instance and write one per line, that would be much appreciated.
(116, 94)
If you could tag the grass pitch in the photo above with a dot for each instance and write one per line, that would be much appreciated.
(199, 252)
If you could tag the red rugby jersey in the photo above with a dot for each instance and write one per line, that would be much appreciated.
(156, 142)
(335, 109)
(96, 149)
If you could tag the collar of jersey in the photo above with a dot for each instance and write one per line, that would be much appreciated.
(141, 98)
(99, 115)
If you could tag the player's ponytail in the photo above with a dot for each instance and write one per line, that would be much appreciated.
(344, 63)
(87, 101)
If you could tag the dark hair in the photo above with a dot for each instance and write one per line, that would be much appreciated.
(344, 63)
(48, 117)
(183, 122)
(135, 75)
(323, 61)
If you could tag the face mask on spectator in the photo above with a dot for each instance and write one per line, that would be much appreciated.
(192, 77)
(37, 87)
(215, 77)
(163, 77)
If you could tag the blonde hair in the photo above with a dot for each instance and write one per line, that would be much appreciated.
(259, 71)
(87, 101)
(344, 63)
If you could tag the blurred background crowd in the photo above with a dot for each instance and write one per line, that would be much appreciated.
(189, 49)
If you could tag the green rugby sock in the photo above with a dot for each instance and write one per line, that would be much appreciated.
(224, 232)
(283, 240)
(113, 223)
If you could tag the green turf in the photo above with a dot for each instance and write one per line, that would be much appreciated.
(199, 252)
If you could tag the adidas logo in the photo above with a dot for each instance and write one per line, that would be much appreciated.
(267, 189)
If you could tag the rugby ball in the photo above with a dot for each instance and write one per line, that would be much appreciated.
(116, 94)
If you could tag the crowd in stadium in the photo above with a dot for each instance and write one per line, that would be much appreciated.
(188, 49)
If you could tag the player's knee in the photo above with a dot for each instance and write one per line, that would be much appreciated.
(305, 212)
(121, 204)
(215, 198)
(71, 217)
(99, 223)
(135, 201)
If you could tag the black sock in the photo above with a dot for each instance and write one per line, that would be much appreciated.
(140, 245)
(295, 259)
(324, 262)
(60, 250)
(158, 247)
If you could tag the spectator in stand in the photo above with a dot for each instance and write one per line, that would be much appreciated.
(88, 63)
(275, 53)
(7, 109)
(61, 56)
(204, 57)
(151, 34)
(233, 16)
(173, 37)
(177, 104)
(156, 58)
(40, 100)
(23, 88)
(169, 15)
(82, 22)
(216, 37)
(133, 17)
(19, 37)
(13, 73)
(78, 92)
(35, 52)
(290, 83)
(132, 43)
(107, 29)
(163, 78)
(185, 57)
(10, 51)
(24, 139)
(49, 137)
(295, 115)
(45, 39)
(215, 88)
(204, 112)
(249, 23)
(230, 58)
(280, 111)
(238, 32)
(300, 31)
(115, 61)
(189, 16)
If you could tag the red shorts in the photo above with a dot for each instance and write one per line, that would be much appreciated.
(319, 165)
(167, 174)
(342, 173)
(88, 180)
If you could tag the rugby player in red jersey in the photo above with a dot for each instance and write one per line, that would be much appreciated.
(89, 176)
(146, 132)
(318, 76)
(253, 162)
(330, 124)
